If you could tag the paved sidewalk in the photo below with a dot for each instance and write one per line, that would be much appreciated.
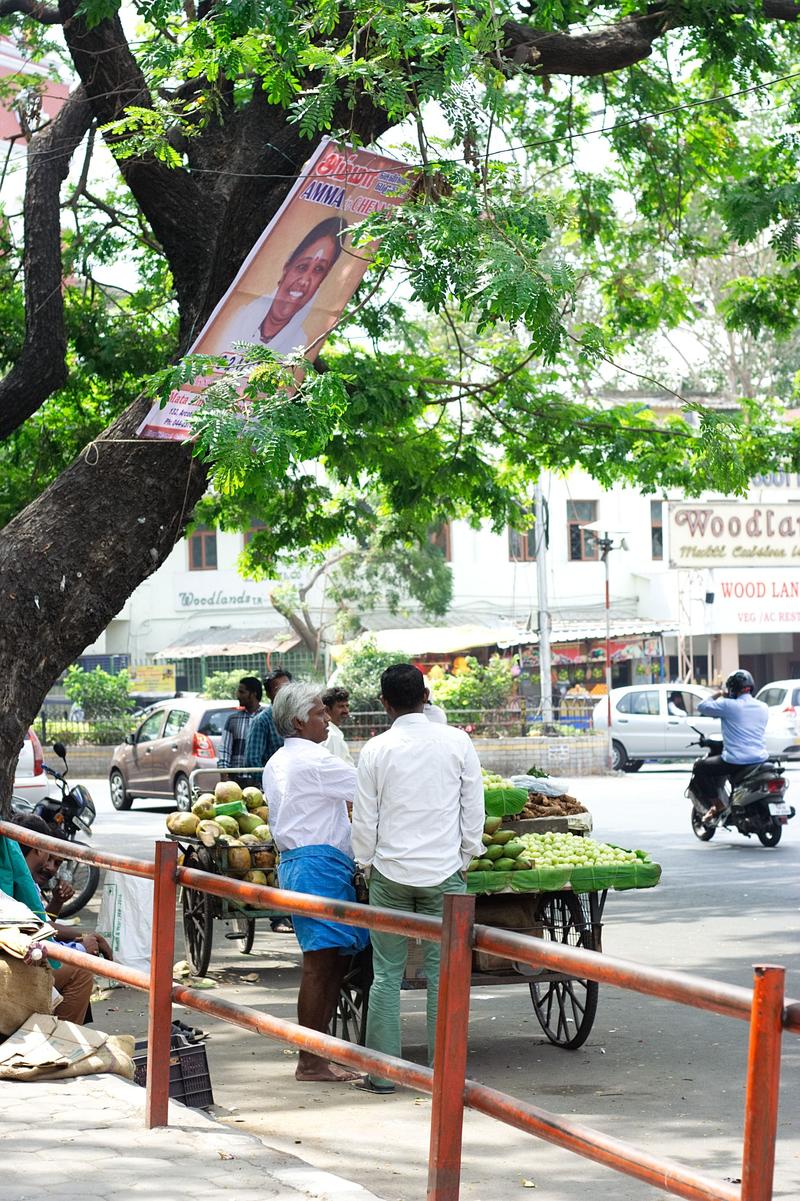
(84, 1140)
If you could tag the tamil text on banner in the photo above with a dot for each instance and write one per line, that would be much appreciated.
(294, 285)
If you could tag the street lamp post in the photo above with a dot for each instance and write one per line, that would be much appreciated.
(606, 544)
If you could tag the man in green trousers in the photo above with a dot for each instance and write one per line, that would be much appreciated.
(417, 821)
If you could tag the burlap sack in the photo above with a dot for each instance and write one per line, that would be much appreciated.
(24, 989)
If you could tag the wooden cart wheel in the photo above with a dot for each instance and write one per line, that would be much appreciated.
(565, 1008)
(245, 928)
(198, 924)
(349, 1020)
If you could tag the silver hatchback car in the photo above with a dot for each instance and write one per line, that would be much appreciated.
(654, 722)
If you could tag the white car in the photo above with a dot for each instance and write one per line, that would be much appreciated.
(783, 727)
(654, 722)
(30, 782)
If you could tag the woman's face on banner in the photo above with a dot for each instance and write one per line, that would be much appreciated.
(302, 277)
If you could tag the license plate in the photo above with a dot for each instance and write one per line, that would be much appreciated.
(779, 809)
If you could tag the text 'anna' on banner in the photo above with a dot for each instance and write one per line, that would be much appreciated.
(295, 283)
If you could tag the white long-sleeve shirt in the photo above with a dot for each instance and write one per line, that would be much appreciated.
(418, 815)
(307, 789)
(336, 744)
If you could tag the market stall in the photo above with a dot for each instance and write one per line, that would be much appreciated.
(541, 875)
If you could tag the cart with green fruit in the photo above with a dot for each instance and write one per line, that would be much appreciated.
(225, 832)
(537, 877)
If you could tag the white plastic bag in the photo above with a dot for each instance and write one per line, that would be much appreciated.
(546, 785)
(126, 919)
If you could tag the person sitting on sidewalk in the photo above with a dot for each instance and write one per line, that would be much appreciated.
(417, 821)
(309, 790)
(75, 984)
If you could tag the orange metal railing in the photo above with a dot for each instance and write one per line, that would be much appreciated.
(764, 1007)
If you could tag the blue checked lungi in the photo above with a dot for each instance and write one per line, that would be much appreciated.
(323, 871)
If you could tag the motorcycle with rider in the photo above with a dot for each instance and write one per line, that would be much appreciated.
(736, 785)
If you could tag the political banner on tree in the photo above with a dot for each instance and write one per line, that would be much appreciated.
(295, 283)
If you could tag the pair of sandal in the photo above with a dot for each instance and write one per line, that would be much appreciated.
(368, 1086)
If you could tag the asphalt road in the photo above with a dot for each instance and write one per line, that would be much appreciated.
(658, 1075)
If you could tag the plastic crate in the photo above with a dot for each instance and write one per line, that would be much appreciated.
(189, 1077)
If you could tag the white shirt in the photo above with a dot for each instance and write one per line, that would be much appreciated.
(335, 743)
(308, 790)
(418, 815)
(435, 713)
(245, 326)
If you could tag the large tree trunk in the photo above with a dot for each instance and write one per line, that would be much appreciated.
(69, 562)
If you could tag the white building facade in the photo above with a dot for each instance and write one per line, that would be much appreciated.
(198, 612)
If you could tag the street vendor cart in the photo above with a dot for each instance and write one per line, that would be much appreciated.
(200, 910)
(562, 904)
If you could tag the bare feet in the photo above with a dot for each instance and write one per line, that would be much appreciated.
(326, 1073)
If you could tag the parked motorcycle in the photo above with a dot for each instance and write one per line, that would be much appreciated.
(754, 805)
(72, 810)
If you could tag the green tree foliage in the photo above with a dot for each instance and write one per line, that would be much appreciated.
(575, 161)
(101, 696)
(478, 687)
(115, 341)
(359, 671)
(222, 685)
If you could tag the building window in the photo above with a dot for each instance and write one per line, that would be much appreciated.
(656, 529)
(582, 542)
(522, 545)
(203, 549)
(255, 526)
(440, 538)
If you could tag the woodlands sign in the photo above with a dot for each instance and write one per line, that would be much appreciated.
(731, 534)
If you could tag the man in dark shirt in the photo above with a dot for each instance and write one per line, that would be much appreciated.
(233, 749)
(263, 740)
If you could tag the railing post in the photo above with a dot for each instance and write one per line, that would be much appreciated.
(763, 1083)
(450, 1058)
(162, 954)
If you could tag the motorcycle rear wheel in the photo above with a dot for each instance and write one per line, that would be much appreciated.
(772, 836)
(704, 833)
(85, 879)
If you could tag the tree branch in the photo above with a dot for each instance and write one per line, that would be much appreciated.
(31, 8)
(181, 215)
(41, 366)
(552, 52)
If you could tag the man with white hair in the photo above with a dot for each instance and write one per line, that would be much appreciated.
(309, 791)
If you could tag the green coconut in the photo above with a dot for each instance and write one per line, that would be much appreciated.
(253, 798)
(227, 791)
(248, 823)
(182, 824)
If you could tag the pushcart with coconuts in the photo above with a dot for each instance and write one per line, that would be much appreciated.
(200, 910)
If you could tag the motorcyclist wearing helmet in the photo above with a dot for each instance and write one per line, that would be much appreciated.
(744, 720)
